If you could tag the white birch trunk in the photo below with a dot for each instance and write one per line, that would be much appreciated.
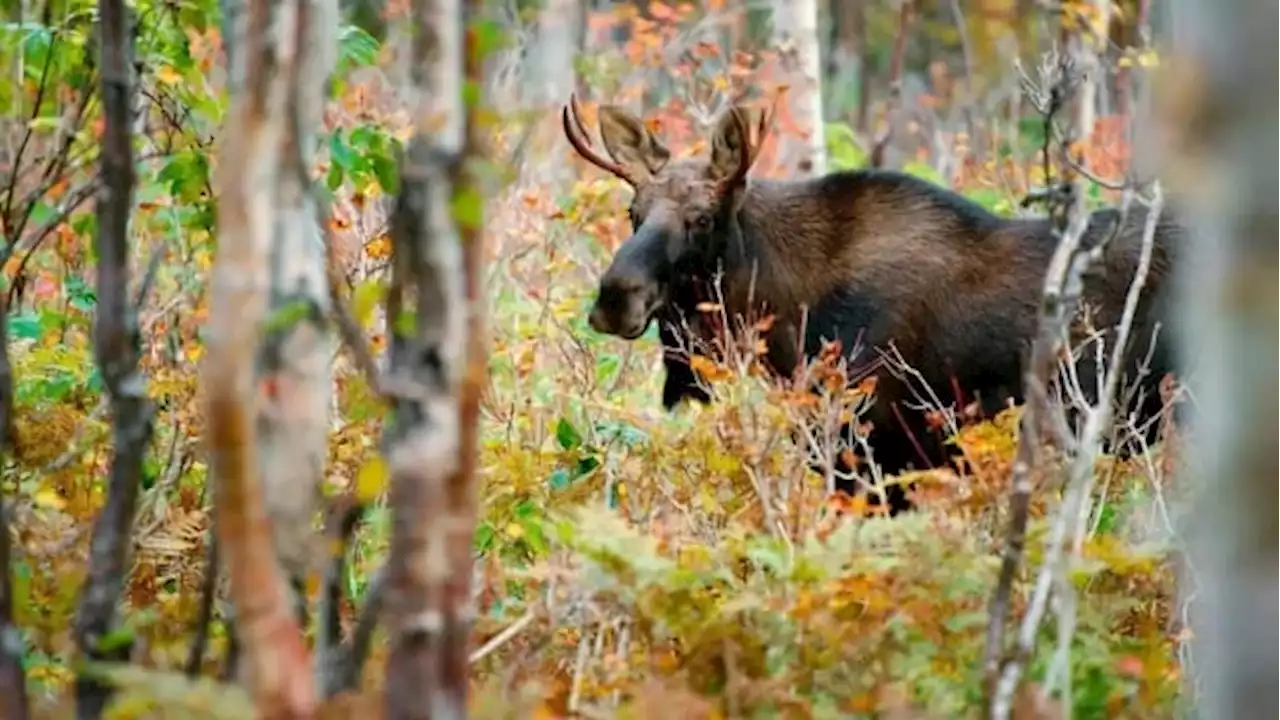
(795, 28)
(549, 79)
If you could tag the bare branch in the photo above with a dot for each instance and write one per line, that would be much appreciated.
(1062, 289)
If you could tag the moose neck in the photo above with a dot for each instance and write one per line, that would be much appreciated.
(778, 239)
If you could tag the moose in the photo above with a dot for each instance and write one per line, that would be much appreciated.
(863, 258)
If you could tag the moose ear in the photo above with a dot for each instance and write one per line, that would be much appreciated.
(630, 142)
(732, 148)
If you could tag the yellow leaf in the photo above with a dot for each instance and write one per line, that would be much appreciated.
(365, 298)
(168, 75)
(515, 531)
(372, 479)
(49, 498)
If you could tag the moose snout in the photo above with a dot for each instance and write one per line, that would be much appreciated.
(597, 320)
(623, 306)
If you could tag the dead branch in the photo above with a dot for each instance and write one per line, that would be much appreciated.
(118, 349)
(1063, 287)
(1061, 291)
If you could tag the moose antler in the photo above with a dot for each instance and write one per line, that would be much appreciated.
(581, 141)
(750, 150)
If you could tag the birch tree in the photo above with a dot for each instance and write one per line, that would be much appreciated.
(551, 77)
(266, 376)
(1227, 166)
(437, 370)
(795, 32)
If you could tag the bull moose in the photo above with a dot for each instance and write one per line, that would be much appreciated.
(864, 258)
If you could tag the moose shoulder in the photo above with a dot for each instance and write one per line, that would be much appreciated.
(866, 258)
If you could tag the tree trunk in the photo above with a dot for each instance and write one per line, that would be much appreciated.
(549, 81)
(438, 366)
(266, 376)
(1227, 169)
(117, 346)
(795, 30)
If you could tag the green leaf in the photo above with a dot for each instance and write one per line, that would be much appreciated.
(41, 213)
(586, 465)
(116, 639)
(468, 208)
(490, 37)
(535, 537)
(558, 480)
(26, 326)
(356, 48)
(388, 174)
(340, 153)
(843, 150)
(186, 174)
(567, 435)
(606, 368)
(333, 179)
(79, 294)
(485, 535)
(287, 315)
(365, 298)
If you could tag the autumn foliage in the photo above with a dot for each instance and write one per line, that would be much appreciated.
(629, 562)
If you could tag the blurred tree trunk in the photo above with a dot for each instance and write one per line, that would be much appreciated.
(13, 686)
(266, 376)
(294, 359)
(551, 74)
(1227, 168)
(438, 367)
(117, 347)
(795, 33)
(549, 79)
(846, 65)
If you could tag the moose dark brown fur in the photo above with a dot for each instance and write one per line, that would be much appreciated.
(873, 257)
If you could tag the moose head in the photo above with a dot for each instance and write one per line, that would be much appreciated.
(684, 212)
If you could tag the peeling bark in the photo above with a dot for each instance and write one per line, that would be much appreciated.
(117, 345)
(253, 157)
(437, 373)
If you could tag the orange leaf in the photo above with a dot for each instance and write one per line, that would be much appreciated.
(707, 368)
(662, 12)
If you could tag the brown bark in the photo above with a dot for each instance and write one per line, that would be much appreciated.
(117, 346)
(250, 159)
